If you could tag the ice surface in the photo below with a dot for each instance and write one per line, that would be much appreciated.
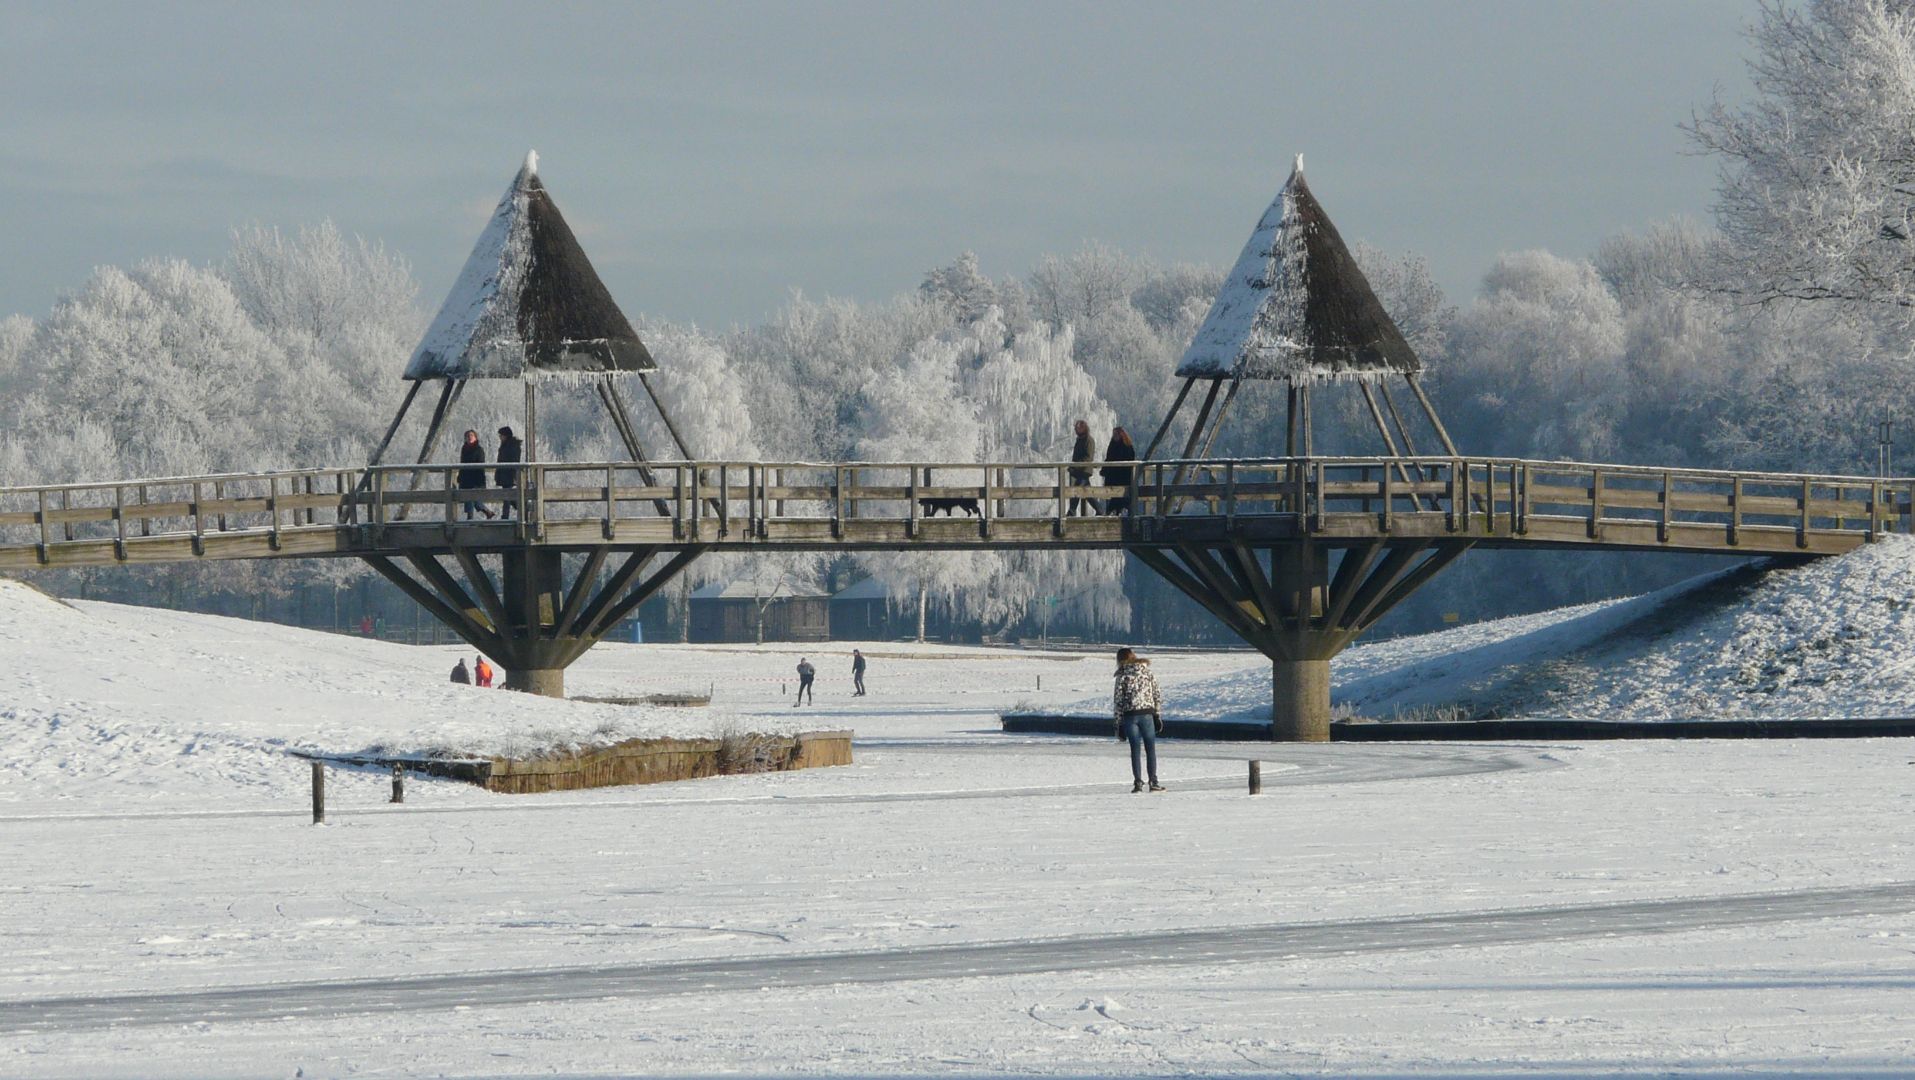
(154, 840)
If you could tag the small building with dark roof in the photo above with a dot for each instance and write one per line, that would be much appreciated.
(871, 611)
(737, 611)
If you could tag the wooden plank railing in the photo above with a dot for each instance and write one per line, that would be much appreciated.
(300, 512)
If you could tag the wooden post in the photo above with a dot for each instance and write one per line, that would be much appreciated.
(1256, 778)
(199, 523)
(1387, 500)
(1063, 484)
(119, 524)
(911, 502)
(1802, 537)
(1595, 504)
(1668, 493)
(724, 500)
(678, 502)
(45, 537)
(146, 523)
(837, 501)
(696, 502)
(219, 496)
(984, 504)
(1230, 493)
(66, 521)
(778, 504)
(319, 793)
(611, 504)
(1874, 510)
(1522, 511)
(1735, 511)
(398, 783)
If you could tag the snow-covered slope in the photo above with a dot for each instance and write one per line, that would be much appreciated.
(157, 703)
(1830, 638)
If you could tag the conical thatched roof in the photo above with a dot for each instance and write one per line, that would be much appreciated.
(528, 302)
(1295, 306)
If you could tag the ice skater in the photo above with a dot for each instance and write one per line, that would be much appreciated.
(483, 672)
(1139, 710)
(460, 674)
(805, 674)
(857, 673)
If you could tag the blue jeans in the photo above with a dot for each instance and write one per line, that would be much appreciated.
(1141, 729)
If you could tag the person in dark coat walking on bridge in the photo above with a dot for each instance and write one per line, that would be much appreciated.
(805, 674)
(1138, 706)
(1086, 451)
(857, 672)
(472, 452)
(1117, 475)
(511, 452)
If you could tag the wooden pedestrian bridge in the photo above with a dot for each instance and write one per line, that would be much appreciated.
(1297, 554)
(406, 510)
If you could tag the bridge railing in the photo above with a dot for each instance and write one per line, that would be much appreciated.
(180, 516)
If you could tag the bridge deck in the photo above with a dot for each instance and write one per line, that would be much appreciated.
(862, 506)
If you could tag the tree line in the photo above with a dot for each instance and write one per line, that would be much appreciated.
(1776, 337)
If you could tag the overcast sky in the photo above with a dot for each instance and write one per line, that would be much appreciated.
(712, 157)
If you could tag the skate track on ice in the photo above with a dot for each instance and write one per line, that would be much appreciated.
(1208, 947)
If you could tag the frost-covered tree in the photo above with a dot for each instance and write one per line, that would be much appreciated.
(343, 315)
(1817, 192)
(1083, 286)
(1537, 361)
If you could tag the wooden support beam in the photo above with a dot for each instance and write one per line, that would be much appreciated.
(1349, 576)
(1164, 428)
(590, 634)
(379, 452)
(449, 589)
(1395, 565)
(1231, 616)
(475, 635)
(1250, 573)
(621, 578)
(1399, 592)
(481, 584)
(580, 591)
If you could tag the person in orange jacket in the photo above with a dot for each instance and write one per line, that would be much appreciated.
(482, 673)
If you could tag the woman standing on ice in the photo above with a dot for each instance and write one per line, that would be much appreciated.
(1138, 706)
(471, 479)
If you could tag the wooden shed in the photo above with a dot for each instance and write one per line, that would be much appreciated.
(869, 611)
(736, 611)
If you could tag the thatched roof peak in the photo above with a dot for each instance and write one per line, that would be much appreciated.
(1296, 306)
(528, 301)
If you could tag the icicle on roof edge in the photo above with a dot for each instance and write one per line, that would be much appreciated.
(1296, 306)
(528, 303)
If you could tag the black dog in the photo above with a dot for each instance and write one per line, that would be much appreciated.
(930, 507)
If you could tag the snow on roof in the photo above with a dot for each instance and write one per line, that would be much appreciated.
(1296, 306)
(527, 302)
(868, 589)
(755, 590)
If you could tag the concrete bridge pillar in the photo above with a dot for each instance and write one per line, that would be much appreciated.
(1300, 700)
(1296, 607)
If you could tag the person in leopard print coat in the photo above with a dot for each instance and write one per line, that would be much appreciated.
(1137, 705)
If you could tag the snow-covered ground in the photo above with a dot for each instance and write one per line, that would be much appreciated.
(958, 901)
